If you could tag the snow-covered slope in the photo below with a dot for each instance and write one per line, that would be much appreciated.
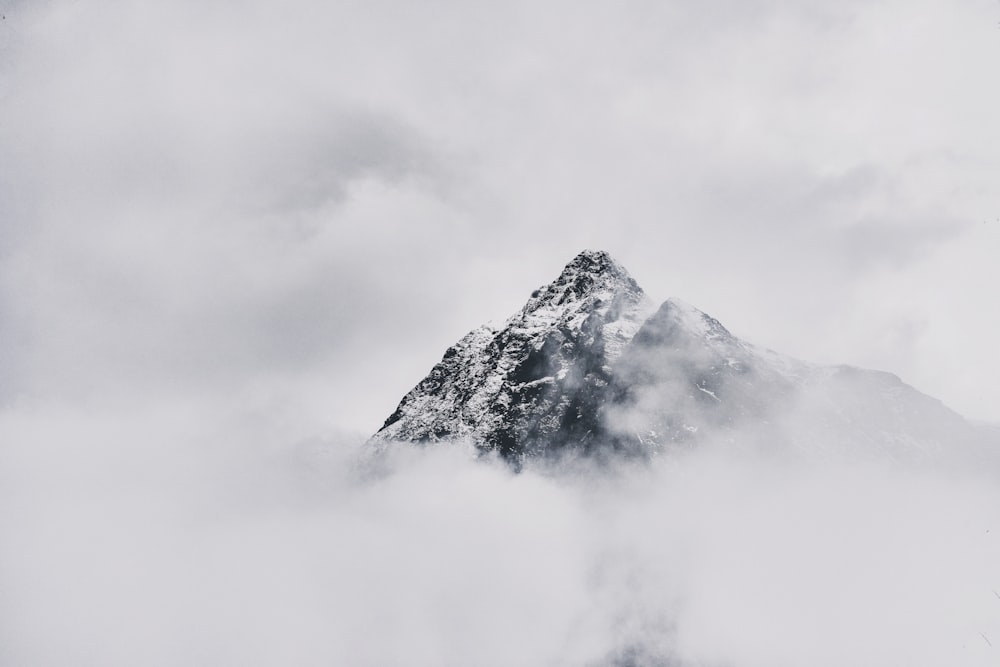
(534, 383)
(589, 364)
(685, 378)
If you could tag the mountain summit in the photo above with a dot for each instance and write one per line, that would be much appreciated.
(589, 364)
(536, 383)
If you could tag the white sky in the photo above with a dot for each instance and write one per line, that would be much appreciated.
(298, 206)
(234, 234)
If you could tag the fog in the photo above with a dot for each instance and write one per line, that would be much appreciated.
(233, 234)
(198, 196)
(171, 537)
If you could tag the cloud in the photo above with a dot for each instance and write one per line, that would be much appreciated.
(227, 227)
(180, 213)
(177, 536)
(174, 171)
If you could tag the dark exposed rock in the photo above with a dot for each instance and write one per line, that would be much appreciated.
(588, 366)
(537, 383)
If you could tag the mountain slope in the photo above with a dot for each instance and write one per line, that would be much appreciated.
(537, 382)
(588, 364)
(685, 378)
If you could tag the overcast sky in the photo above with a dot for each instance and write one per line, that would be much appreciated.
(304, 203)
(234, 234)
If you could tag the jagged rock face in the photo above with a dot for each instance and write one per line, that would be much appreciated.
(536, 383)
(589, 365)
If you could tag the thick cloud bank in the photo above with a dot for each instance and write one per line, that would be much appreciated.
(172, 538)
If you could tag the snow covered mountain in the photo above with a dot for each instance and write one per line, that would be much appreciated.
(589, 365)
(538, 382)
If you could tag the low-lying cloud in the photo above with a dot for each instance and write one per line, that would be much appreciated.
(284, 214)
(173, 538)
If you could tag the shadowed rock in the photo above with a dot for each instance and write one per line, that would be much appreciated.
(588, 366)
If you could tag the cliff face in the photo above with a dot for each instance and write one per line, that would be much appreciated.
(537, 382)
(590, 364)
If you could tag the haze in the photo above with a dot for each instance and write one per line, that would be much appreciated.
(232, 235)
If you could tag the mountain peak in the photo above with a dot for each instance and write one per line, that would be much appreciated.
(596, 263)
(596, 260)
(592, 277)
(536, 382)
(677, 313)
(587, 364)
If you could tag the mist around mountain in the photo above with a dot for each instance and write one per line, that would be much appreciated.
(231, 230)
(603, 483)
(198, 530)
(199, 533)
(589, 366)
(183, 537)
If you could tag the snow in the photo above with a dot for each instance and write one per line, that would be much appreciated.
(472, 392)
(709, 392)
(477, 375)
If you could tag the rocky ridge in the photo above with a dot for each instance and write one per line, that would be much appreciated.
(536, 382)
(590, 365)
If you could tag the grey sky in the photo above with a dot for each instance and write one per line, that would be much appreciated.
(322, 196)
(233, 234)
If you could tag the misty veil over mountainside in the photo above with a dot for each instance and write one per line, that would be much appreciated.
(625, 485)
(590, 365)
(235, 234)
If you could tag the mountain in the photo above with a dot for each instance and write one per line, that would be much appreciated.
(589, 365)
(538, 382)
